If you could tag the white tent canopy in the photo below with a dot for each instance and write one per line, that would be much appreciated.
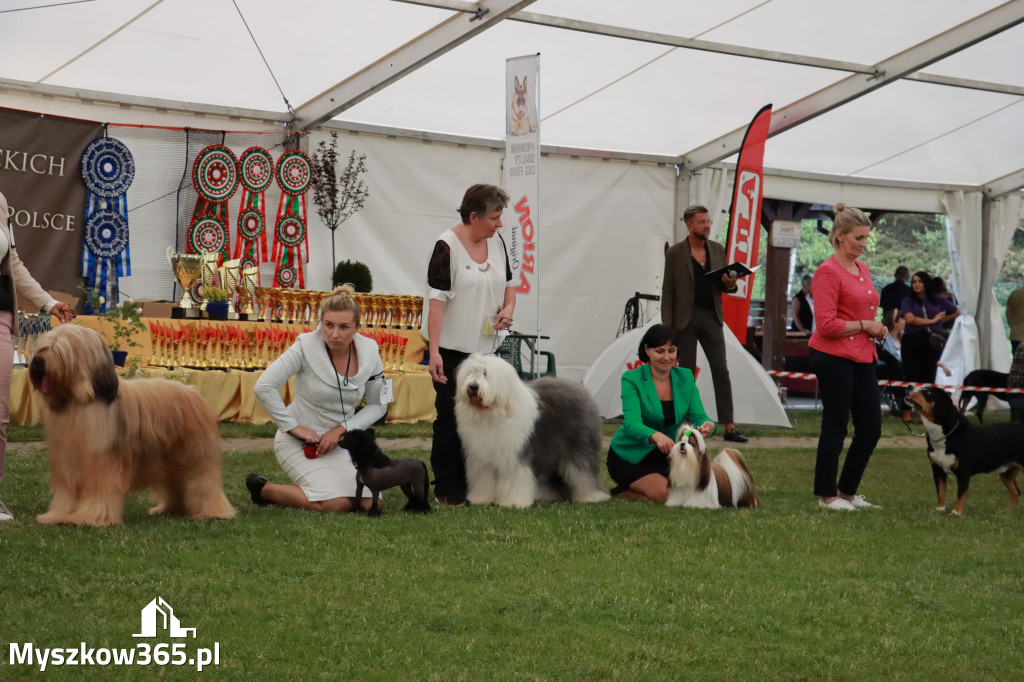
(927, 91)
(896, 106)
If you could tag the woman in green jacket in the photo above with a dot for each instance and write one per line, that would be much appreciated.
(656, 398)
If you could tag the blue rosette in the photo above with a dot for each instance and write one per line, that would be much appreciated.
(108, 169)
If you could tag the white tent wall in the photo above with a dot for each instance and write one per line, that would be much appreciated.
(603, 227)
(963, 227)
(1003, 218)
(415, 189)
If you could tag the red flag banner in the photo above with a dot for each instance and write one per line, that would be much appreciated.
(745, 220)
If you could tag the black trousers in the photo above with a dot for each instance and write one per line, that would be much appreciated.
(920, 360)
(847, 388)
(446, 458)
(705, 328)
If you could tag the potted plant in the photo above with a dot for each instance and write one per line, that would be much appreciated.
(355, 273)
(216, 302)
(125, 321)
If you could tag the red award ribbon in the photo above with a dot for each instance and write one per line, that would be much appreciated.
(215, 177)
(294, 174)
(256, 171)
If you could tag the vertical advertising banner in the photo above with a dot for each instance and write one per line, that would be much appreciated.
(521, 230)
(41, 177)
(745, 221)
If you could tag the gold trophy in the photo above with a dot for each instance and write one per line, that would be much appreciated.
(187, 269)
(247, 289)
(263, 300)
(209, 272)
(229, 278)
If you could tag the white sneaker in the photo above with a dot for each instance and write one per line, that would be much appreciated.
(859, 502)
(5, 513)
(838, 504)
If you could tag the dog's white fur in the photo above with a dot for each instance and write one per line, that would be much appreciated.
(692, 476)
(507, 462)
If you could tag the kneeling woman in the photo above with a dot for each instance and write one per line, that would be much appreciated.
(656, 399)
(334, 366)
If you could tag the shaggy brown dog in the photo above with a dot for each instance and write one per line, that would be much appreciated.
(108, 437)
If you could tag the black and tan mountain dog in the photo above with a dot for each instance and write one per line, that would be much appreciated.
(957, 447)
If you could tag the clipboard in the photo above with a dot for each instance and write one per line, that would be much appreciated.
(740, 269)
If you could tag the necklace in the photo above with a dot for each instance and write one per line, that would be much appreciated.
(348, 362)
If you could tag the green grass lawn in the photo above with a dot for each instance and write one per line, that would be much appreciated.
(617, 590)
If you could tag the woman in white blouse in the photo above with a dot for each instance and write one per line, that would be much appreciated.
(470, 295)
(334, 367)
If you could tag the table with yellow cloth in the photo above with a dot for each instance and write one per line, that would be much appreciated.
(230, 392)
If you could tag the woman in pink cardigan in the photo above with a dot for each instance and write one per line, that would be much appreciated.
(843, 357)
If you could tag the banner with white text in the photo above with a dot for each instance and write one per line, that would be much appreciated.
(745, 220)
(41, 177)
(522, 182)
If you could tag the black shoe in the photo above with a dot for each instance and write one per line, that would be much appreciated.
(254, 482)
(735, 436)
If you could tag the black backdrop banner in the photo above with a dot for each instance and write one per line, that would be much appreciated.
(41, 176)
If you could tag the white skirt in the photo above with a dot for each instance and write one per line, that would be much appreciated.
(329, 476)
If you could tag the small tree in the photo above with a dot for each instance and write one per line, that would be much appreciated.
(337, 198)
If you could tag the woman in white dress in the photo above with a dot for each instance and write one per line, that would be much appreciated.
(334, 367)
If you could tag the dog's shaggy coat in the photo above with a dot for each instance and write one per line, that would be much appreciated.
(695, 480)
(109, 437)
(526, 441)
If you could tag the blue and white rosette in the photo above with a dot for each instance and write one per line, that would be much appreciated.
(108, 170)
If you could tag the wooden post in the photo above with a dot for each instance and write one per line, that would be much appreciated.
(776, 287)
(776, 307)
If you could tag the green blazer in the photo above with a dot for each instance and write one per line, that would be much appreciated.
(642, 415)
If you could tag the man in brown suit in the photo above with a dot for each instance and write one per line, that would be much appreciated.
(691, 303)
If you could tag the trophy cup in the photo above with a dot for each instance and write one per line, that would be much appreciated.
(229, 278)
(247, 290)
(187, 269)
(209, 272)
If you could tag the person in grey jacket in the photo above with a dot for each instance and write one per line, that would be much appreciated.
(691, 303)
(334, 368)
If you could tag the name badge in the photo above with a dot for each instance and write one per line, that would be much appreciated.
(387, 394)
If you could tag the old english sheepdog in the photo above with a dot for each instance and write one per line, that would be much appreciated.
(526, 441)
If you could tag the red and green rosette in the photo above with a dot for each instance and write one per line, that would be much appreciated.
(294, 174)
(215, 178)
(256, 172)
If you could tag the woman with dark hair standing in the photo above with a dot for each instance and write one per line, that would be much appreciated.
(470, 296)
(656, 398)
(924, 313)
(843, 357)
